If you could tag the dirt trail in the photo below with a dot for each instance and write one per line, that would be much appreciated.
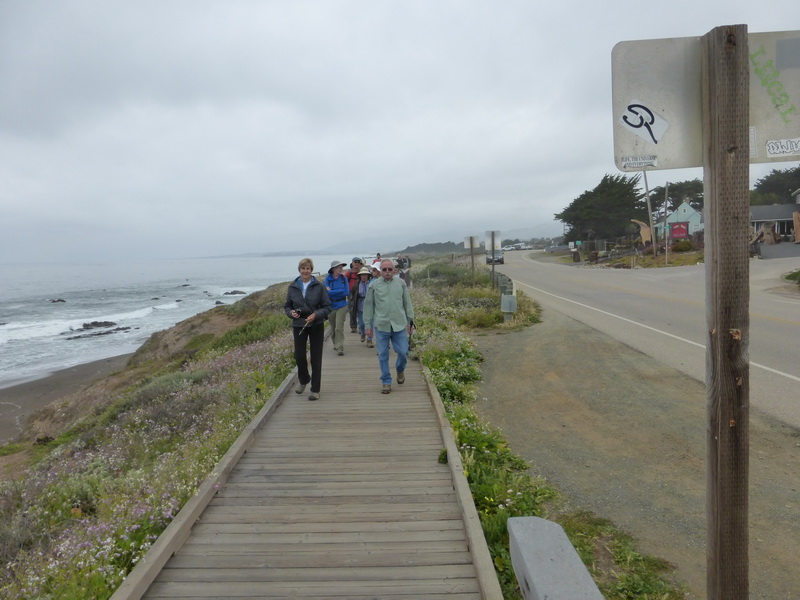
(624, 436)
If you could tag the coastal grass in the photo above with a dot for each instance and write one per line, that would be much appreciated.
(10, 449)
(675, 258)
(500, 481)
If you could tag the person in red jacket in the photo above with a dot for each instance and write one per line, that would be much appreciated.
(352, 279)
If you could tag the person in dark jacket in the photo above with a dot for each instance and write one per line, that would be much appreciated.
(338, 291)
(308, 305)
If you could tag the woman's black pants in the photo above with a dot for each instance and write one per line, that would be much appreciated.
(313, 337)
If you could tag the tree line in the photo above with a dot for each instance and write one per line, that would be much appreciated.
(606, 211)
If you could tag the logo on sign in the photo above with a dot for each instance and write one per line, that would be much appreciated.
(679, 230)
(644, 122)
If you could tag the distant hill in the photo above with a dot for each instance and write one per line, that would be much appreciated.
(432, 248)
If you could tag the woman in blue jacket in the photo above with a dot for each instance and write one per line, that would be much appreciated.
(308, 306)
(338, 290)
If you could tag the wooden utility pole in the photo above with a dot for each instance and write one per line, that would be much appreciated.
(650, 216)
(726, 87)
(666, 225)
(471, 242)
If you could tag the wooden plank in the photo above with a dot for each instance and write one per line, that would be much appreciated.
(365, 477)
(333, 488)
(277, 560)
(305, 514)
(328, 537)
(333, 503)
(328, 574)
(269, 528)
(256, 455)
(357, 548)
(325, 589)
(320, 595)
(312, 466)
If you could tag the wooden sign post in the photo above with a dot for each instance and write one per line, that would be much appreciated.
(471, 242)
(726, 87)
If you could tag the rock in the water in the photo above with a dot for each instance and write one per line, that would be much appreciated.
(98, 333)
(96, 325)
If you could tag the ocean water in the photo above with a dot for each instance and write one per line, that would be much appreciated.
(39, 336)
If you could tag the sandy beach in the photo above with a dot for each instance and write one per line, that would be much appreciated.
(19, 401)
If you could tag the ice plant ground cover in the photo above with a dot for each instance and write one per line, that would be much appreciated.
(103, 491)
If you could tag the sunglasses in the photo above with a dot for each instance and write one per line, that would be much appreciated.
(387, 270)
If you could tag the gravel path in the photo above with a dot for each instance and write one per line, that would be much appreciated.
(624, 436)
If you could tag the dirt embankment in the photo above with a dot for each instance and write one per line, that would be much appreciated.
(624, 436)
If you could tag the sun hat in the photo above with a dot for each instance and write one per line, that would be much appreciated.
(338, 263)
(357, 259)
(365, 271)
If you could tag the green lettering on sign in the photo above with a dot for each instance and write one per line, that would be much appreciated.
(769, 76)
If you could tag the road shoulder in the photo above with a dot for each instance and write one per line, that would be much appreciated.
(623, 436)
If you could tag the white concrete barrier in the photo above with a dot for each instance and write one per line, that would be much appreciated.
(546, 564)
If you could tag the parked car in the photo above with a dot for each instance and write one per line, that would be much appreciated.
(508, 248)
(498, 258)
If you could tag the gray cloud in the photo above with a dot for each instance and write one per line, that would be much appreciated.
(186, 128)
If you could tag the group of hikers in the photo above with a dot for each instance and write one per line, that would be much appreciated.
(374, 299)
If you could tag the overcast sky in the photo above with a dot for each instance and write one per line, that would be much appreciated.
(160, 128)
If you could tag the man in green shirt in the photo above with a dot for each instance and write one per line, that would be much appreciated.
(387, 308)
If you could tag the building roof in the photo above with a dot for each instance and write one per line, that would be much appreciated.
(773, 212)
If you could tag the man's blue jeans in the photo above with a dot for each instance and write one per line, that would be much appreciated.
(400, 344)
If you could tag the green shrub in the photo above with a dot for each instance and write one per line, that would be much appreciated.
(446, 274)
(198, 343)
(255, 330)
(682, 246)
(10, 449)
(477, 318)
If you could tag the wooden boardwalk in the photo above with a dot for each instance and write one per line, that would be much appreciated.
(343, 497)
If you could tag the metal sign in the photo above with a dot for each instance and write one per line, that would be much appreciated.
(774, 96)
(656, 103)
(656, 89)
(492, 240)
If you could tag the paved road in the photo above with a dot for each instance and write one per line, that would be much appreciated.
(661, 312)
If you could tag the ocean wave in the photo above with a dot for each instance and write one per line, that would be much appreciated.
(170, 306)
(31, 330)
